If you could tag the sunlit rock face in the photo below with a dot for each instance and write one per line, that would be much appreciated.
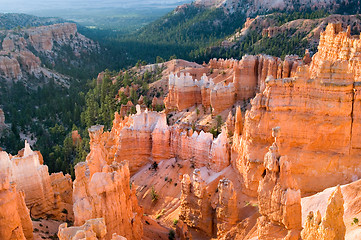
(332, 225)
(224, 82)
(317, 109)
(146, 137)
(93, 229)
(15, 222)
(279, 198)
(196, 210)
(212, 204)
(32, 177)
(102, 190)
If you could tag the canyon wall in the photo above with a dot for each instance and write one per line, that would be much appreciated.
(32, 177)
(146, 137)
(332, 225)
(214, 203)
(103, 191)
(318, 111)
(15, 222)
(236, 80)
(21, 50)
(279, 198)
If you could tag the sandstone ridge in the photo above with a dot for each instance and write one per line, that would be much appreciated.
(307, 107)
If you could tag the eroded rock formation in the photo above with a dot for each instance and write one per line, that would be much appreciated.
(15, 222)
(215, 205)
(278, 197)
(331, 226)
(196, 210)
(236, 80)
(182, 231)
(17, 58)
(146, 137)
(317, 110)
(92, 229)
(226, 210)
(103, 191)
(32, 177)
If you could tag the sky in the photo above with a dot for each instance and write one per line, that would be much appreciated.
(28, 6)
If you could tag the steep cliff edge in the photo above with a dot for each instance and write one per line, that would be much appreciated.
(222, 83)
(331, 226)
(145, 137)
(103, 191)
(24, 53)
(279, 198)
(15, 222)
(316, 110)
(32, 177)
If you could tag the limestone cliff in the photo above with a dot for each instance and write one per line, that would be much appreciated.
(227, 82)
(32, 177)
(21, 50)
(15, 222)
(103, 191)
(331, 226)
(146, 137)
(92, 229)
(278, 197)
(317, 110)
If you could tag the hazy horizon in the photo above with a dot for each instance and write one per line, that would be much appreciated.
(26, 6)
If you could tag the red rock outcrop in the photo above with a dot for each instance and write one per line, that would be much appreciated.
(278, 197)
(317, 110)
(196, 210)
(42, 38)
(15, 222)
(235, 80)
(126, 109)
(226, 210)
(146, 137)
(182, 231)
(63, 194)
(32, 177)
(103, 191)
(214, 204)
(331, 226)
(93, 229)
(75, 136)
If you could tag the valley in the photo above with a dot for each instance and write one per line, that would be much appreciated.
(218, 120)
